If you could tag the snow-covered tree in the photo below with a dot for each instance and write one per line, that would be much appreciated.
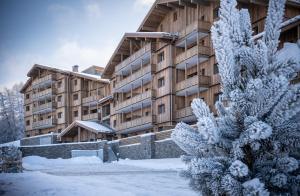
(252, 146)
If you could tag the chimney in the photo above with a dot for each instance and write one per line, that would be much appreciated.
(75, 68)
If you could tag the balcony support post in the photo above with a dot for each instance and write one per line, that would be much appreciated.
(78, 133)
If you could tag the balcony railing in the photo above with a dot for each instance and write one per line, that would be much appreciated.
(202, 81)
(43, 108)
(184, 112)
(145, 70)
(133, 57)
(43, 94)
(146, 95)
(44, 80)
(203, 26)
(202, 50)
(137, 122)
(92, 99)
(93, 116)
(44, 123)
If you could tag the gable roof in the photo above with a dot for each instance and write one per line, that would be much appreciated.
(88, 125)
(35, 67)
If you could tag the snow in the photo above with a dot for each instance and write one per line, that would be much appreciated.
(82, 175)
(95, 126)
(14, 143)
(290, 51)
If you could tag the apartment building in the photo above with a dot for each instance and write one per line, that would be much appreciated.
(157, 71)
(55, 98)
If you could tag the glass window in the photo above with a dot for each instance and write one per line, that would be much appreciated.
(216, 68)
(161, 82)
(161, 109)
(160, 57)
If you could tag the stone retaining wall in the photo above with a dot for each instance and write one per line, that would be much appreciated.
(39, 140)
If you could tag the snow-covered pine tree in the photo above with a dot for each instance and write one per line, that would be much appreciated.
(252, 146)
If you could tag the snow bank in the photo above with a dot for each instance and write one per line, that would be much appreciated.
(156, 164)
(14, 143)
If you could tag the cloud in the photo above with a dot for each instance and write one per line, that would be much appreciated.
(143, 4)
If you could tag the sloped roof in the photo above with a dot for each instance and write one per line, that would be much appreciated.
(78, 74)
(88, 125)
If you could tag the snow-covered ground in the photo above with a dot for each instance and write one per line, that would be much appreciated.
(89, 176)
(14, 143)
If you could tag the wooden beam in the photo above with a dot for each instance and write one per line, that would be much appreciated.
(201, 2)
(175, 5)
(187, 3)
(163, 8)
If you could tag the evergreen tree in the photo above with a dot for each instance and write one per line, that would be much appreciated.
(252, 146)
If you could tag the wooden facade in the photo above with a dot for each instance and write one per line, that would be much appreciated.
(55, 98)
(154, 79)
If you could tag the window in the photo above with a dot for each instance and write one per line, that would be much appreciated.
(59, 84)
(114, 83)
(160, 128)
(27, 122)
(161, 109)
(216, 68)
(115, 123)
(75, 82)
(160, 57)
(147, 113)
(174, 16)
(27, 96)
(216, 97)
(202, 42)
(59, 115)
(93, 111)
(75, 97)
(59, 98)
(59, 130)
(202, 18)
(203, 72)
(161, 82)
(76, 113)
(27, 108)
(216, 12)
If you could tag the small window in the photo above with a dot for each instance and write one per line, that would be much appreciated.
(75, 97)
(27, 96)
(76, 113)
(59, 84)
(27, 122)
(59, 98)
(160, 57)
(174, 16)
(216, 68)
(114, 83)
(161, 82)
(27, 108)
(216, 97)
(202, 42)
(216, 13)
(115, 123)
(147, 113)
(161, 109)
(202, 18)
(203, 72)
(59, 115)
(75, 82)
(160, 128)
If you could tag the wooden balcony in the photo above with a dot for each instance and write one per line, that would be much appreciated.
(184, 112)
(133, 57)
(138, 98)
(201, 50)
(136, 75)
(197, 25)
(44, 123)
(45, 108)
(91, 100)
(46, 80)
(201, 81)
(44, 94)
(136, 122)
(94, 116)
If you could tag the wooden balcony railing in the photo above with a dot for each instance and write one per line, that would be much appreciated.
(44, 94)
(137, 122)
(133, 57)
(93, 116)
(202, 81)
(46, 79)
(184, 112)
(47, 106)
(145, 70)
(44, 123)
(146, 95)
(203, 26)
(202, 50)
(91, 99)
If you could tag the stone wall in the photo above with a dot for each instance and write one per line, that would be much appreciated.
(39, 140)
(61, 150)
(167, 149)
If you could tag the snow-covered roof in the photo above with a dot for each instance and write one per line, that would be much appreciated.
(88, 125)
(105, 99)
(290, 51)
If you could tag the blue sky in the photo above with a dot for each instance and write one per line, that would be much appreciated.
(62, 33)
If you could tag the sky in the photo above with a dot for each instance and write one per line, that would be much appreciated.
(62, 33)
